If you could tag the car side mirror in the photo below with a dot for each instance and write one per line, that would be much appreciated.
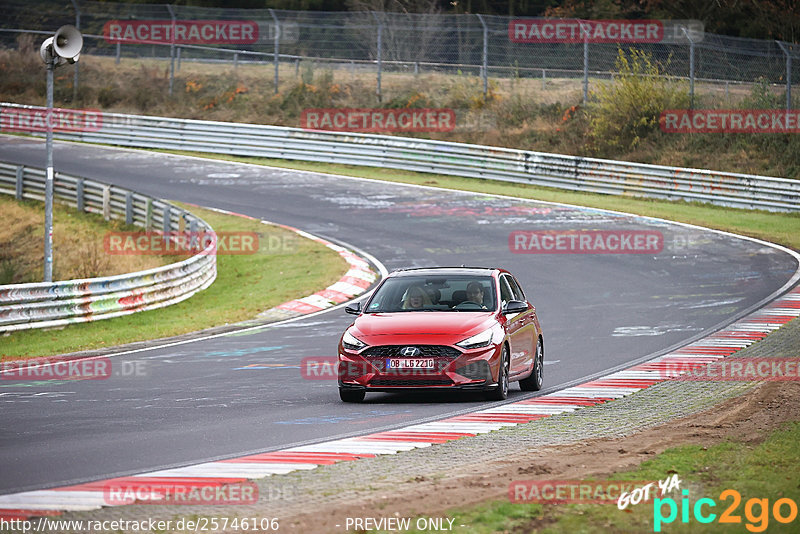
(515, 306)
(353, 309)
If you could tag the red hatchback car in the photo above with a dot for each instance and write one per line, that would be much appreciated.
(462, 328)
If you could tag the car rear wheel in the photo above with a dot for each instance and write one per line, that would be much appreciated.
(352, 395)
(501, 392)
(535, 380)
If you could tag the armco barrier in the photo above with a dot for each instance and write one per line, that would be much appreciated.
(39, 305)
(475, 161)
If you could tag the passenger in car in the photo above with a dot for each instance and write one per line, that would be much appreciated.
(416, 298)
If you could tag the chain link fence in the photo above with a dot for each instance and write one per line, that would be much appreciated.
(382, 42)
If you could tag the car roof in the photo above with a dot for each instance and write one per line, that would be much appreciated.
(426, 271)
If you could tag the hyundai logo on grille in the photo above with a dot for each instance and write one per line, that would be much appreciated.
(409, 351)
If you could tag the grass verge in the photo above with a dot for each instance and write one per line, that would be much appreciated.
(245, 285)
(768, 471)
(77, 244)
(780, 228)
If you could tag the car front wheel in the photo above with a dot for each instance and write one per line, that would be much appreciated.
(501, 392)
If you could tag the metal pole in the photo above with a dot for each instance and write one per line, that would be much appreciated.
(119, 52)
(485, 65)
(172, 50)
(277, 46)
(178, 57)
(691, 67)
(379, 58)
(48, 180)
(585, 65)
(77, 64)
(788, 75)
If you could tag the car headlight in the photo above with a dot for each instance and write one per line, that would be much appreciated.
(478, 340)
(350, 342)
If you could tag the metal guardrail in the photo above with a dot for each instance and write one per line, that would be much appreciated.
(40, 305)
(423, 155)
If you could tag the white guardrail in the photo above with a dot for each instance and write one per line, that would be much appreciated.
(40, 305)
(458, 159)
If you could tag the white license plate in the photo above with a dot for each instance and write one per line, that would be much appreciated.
(409, 363)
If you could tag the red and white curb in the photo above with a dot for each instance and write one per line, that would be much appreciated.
(355, 281)
(720, 344)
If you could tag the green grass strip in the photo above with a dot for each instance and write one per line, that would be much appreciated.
(246, 284)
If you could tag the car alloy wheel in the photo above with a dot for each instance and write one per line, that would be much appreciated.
(501, 392)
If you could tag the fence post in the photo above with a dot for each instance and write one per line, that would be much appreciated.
(788, 75)
(691, 67)
(277, 46)
(380, 57)
(485, 63)
(172, 50)
(119, 52)
(178, 58)
(235, 60)
(77, 63)
(585, 32)
(19, 190)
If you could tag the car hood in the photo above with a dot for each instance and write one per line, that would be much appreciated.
(439, 324)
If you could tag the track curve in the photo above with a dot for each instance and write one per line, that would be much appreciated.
(211, 399)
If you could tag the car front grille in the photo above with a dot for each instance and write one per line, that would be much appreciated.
(426, 351)
(442, 356)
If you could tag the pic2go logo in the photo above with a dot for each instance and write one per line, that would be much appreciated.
(756, 511)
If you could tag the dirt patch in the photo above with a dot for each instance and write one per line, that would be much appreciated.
(748, 418)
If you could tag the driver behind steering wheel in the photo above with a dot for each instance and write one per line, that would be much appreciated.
(475, 293)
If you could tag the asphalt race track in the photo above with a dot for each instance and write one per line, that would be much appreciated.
(244, 393)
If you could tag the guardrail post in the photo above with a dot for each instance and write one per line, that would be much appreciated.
(165, 219)
(129, 207)
(79, 195)
(20, 174)
(485, 63)
(788, 75)
(276, 54)
(193, 233)
(148, 214)
(107, 202)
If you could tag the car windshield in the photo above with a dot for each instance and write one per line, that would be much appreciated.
(434, 293)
